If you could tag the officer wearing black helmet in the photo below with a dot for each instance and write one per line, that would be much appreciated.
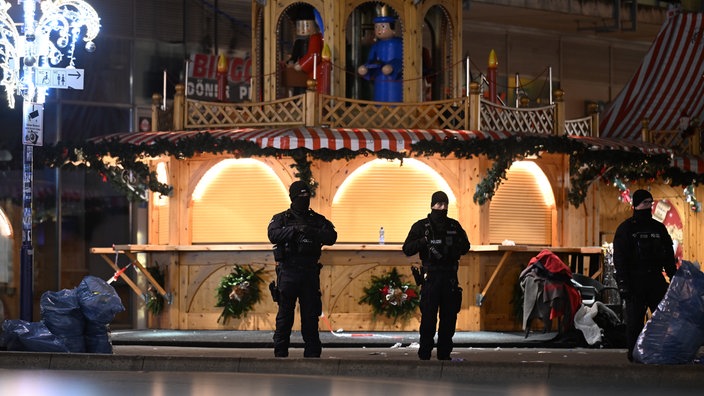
(642, 249)
(298, 235)
(439, 242)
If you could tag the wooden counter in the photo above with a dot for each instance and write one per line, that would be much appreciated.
(488, 274)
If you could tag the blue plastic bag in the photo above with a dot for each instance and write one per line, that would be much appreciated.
(675, 331)
(98, 300)
(62, 315)
(20, 335)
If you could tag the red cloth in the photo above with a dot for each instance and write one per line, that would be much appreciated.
(551, 263)
(556, 289)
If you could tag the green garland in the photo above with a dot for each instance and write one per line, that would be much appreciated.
(390, 296)
(238, 292)
(155, 301)
(587, 164)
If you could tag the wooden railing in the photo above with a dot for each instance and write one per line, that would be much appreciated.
(679, 141)
(313, 109)
(344, 112)
(496, 117)
(580, 126)
(283, 112)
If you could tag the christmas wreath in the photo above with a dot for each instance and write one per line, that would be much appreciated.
(155, 301)
(390, 296)
(238, 292)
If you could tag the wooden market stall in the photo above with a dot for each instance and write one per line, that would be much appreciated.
(372, 165)
(487, 275)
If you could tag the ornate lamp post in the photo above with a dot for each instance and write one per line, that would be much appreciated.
(39, 55)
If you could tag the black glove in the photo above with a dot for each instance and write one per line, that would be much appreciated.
(308, 232)
(303, 229)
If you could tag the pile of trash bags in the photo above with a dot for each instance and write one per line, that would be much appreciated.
(675, 332)
(75, 320)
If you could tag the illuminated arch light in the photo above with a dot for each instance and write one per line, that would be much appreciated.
(162, 176)
(5, 228)
(383, 193)
(407, 162)
(214, 172)
(540, 179)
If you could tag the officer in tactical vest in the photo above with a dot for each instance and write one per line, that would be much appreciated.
(439, 242)
(298, 235)
(642, 250)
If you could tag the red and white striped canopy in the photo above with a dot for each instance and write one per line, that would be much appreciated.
(689, 163)
(668, 84)
(357, 139)
(316, 138)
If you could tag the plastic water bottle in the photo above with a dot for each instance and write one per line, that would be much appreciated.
(381, 236)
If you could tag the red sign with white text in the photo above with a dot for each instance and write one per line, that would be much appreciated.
(203, 73)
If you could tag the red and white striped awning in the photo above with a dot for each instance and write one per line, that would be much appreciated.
(668, 84)
(689, 163)
(316, 138)
(359, 139)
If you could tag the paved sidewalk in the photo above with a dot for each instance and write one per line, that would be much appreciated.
(341, 339)
(501, 358)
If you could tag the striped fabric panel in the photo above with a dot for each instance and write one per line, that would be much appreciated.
(316, 138)
(668, 84)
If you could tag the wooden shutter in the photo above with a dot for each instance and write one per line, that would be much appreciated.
(238, 204)
(385, 194)
(518, 211)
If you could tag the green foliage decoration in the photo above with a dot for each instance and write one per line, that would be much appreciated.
(587, 163)
(238, 292)
(155, 301)
(389, 295)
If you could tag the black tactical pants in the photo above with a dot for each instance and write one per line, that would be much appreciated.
(440, 295)
(302, 285)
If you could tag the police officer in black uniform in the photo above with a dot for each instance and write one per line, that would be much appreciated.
(298, 235)
(642, 249)
(439, 242)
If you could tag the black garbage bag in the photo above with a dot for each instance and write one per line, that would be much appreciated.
(20, 335)
(98, 300)
(62, 315)
(675, 331)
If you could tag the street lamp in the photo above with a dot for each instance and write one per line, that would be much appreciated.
(39, 56)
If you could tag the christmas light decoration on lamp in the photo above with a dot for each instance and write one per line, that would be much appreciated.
(47, 42)
(40, 57)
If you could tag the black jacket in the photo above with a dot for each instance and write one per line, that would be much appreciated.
(642, 246)
(300, 238)
(448, 238)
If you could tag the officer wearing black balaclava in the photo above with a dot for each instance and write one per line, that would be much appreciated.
(439, 242)
(298, 235)
(642, 250)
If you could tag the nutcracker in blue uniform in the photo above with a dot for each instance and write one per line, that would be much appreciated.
(385, 61)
